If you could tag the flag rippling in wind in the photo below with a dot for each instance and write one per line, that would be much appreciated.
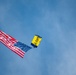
(17, 47)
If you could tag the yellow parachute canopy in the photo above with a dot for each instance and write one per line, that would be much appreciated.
(36, 41)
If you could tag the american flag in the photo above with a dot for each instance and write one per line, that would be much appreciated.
(14, 45)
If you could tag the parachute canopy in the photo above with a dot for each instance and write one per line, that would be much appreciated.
(36, 41)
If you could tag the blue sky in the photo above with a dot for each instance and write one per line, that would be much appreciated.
(55, 21)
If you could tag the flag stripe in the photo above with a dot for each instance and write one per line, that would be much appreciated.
(16, 50)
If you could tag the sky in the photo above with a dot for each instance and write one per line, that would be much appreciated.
(54, 21)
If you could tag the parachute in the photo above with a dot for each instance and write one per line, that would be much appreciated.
(36, 41)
